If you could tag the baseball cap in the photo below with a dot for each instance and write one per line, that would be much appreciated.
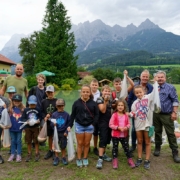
(50, 88)
(17, 97)
(32, 99)
(60, 102)
(11, 89)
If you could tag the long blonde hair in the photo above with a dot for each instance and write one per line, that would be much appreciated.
(21, 107)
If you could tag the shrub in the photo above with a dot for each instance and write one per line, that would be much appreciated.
(87, 79)
(31, 81)
(66, 87)
(69, 81)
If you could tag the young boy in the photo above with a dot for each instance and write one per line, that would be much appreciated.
(62, 121)
(104, 106)
(32, 116)
(48, 106)
(96, 93)
(11, 90)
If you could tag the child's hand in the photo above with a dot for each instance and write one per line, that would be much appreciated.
(125, 128)
(38, 121)
(69, 129)
(120, 129)
(125, 72)
(54, 124)
(65, 134)
(48, 116)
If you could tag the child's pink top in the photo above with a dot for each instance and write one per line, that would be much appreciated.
(119, 121)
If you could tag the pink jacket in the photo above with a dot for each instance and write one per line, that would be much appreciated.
(114, 123)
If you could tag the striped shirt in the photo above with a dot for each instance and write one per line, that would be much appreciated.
(168, 98)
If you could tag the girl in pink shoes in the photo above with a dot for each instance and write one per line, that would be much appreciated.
(120, 124)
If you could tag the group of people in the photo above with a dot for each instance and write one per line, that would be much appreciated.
(103, 114)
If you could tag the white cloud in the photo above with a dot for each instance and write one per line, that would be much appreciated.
(25, 16)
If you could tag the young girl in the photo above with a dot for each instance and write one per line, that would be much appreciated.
(16, 110)
(140, 111)
(85, 112)
(120, 124)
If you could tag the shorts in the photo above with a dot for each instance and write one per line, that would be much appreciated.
(79, 129)
(31, 134)
(50, 130)
(62, 140)
(96, 130)
(104, 136)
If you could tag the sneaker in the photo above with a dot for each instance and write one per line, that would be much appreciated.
(79, 162)
(18, 158)
(56, 161)
(48, 155)
(28, 158)
(138, 162)
(115, 163)
(99, 164)
(131, 163)
(1, 160)
(96, 152)
(106, 158)
(146, 164)
(85, 162)
(37, 156)
(64, 161)
(11, 158)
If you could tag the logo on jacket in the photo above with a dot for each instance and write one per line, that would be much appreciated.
(60, 121)
(16, 115)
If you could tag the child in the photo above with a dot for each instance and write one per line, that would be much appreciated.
(85, 112)
(96, 93)
(11, 90)
(48, 106)
(120, 124)
(104, 106)
(16, 109)
(32, 116)
(140, 110)
(62, 122)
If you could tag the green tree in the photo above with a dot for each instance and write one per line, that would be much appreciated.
(56, 44)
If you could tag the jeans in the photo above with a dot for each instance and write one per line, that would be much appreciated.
(16, 142)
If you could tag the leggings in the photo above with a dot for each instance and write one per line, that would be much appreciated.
(125, 145)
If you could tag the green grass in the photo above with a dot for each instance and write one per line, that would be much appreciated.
(157, 66)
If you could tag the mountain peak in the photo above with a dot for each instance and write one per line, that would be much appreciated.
(147, 24)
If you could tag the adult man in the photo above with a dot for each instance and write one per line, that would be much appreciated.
(17, 81)
(144, 78)
(169, 106)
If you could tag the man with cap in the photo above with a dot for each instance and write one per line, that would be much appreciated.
(48, 107)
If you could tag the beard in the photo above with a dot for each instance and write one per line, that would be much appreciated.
(18, 75)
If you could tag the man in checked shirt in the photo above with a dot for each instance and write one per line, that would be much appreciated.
(169, 109)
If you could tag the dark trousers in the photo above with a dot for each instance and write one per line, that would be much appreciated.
(160, 120)
(125, 145)
(133, 134)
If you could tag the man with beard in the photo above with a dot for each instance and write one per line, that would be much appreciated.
(17, 81)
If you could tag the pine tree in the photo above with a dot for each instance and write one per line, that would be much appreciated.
(55, 46)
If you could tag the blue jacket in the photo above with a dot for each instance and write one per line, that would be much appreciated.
(132, 97)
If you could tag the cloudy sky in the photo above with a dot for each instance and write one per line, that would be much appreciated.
(25, 16)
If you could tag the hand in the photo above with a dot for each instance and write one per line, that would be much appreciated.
(45, 119)
(38, 121)
(54, 124)
(120, 129)
(126, 72)
(69, 129)
(106, 97)
(48, 116)
(65, 134)
(125, 128)
(173, 116)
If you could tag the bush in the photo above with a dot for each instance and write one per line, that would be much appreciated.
(31, 81)
(87, 80)
(66, 87)
(69, 81)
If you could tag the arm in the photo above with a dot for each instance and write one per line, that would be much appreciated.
(26, 93)
(102, 104)
(96, 115)
(130, 81)
(111, 123)
(3, 90)
(73, 116)
(130, 99)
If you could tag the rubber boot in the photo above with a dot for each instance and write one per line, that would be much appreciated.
(175, 156)
(157, 150)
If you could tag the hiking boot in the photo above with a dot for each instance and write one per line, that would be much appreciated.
(146, 164)
(131, 163)
(56, 161)
(138, 162)
(106, 158)
(37, 156)
(48, 155)
(115, 163)
(28, 158)
(133, 148)
(157, 150)
(175, 156)
(18, 158)
(96, 152)
(99, 164)
(11, 158)
(64, 161)
(1, 160)
(85, 162)
(79, 163)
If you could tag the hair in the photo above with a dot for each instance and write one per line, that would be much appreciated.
(117, 79)
(124, 103)
(137, 87)
(161, 72)
(21, 107)
(105, 87)
(145, 71)
(94, 80)
(86, 85)
(41, 76)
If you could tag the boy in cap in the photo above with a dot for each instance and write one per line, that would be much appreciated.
(47, 108)
(32, 116)
(11, 90)
(62, 121)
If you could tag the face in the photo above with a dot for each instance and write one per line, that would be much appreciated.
(85, 93)
(19, 70)
(40, 81)
(94, 86)
(50, 94)
(161, 78)
(32, 105)
(139, 93)
(10, 95)
(106, 92)
(120, 107)
(117, 86)
(144, 78)
(16, 103)
(60, 108)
